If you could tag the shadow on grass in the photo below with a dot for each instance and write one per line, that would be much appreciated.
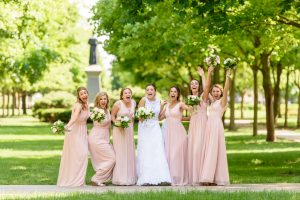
(34, 145)
(25, 130)
(32, 171)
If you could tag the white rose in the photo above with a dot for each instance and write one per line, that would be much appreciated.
(54, 130)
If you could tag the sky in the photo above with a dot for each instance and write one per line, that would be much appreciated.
(84, 7)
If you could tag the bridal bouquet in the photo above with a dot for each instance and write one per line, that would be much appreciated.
(98, 114)
(213, 59)
(144, 113)
(58, 127)
(230, 63)
(193, 100)
(122, 121)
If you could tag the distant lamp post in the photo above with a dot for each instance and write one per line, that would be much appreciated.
(93, 71)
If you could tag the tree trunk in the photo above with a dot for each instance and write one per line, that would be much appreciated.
(24, 103)
(3, 102)
(232, 95)
(286, 98)
(14, 102)
(277, 92)
(269, 98)
(223, 117)
(298, 118)
(216, 76)
(7, 105)
(242, 104)
(19, 103)
(255, 99)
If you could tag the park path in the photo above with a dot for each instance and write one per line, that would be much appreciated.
(7, 190)
(287, 134)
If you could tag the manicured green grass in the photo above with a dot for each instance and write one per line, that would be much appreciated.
(171, 195)
(30, 154)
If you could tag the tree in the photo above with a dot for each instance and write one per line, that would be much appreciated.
(37, 38)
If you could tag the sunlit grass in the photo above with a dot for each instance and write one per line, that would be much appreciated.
(168, 195)
(31, 155)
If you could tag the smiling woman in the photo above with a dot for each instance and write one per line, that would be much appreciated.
(74, 159)
(30, 155)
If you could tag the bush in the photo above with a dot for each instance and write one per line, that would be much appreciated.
(53, 100)
(54, 114)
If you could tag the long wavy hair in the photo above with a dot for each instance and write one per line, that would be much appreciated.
(217, 86)
(178, 92)
(98, 98)
(84, 106)
(200, 88)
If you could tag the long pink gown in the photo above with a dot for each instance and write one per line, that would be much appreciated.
(124, 172)
(176, 146)
(74, 159)
(215, 167)
(195, 142)
(102, 152)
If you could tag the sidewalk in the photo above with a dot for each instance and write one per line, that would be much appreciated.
(48, 189)
(287, 134)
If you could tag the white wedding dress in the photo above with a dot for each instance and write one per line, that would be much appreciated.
(151, 160)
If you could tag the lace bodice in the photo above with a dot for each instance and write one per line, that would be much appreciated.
(154, 106)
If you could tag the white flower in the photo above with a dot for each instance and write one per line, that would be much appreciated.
(96, 109)
(54, 130)
(101, 111)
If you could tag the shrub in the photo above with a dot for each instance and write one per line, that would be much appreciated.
(54, 114)
(53, 100)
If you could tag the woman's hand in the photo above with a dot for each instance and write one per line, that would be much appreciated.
(201, 71)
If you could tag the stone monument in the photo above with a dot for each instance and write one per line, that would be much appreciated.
(93, 71)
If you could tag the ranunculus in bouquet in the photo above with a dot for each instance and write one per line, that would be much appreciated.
(58, 127)
(122, 121)
(193, 100)
(144, 113)
(230, 63)
(98, 114)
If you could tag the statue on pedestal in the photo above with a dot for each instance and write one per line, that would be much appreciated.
(93, 71)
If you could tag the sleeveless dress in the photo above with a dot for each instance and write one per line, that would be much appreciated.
(195, 142)
(176, 146)
(152, 163)
(124, 172)
(102, 152)
(74, 159)
(215, 167)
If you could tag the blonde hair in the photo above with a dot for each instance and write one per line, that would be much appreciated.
(217, 86)
(84, 106)
(98, 98)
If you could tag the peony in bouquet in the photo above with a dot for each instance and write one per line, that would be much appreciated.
(58, 127)
(122, 121)
(144, 113)
(98, 115)
(230, 63)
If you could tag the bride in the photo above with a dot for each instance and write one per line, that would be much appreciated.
(152, 166)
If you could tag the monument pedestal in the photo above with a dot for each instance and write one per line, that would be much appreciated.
(93, 81)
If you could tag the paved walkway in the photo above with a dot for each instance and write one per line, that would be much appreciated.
(8, 190)
(287, 134)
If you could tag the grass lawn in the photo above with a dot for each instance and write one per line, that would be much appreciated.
(170, 195)
(30, 154)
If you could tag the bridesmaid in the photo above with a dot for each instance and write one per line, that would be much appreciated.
(123, 141)
(215, 167)
(102, 153)
(196, 130)
(74, 159)
(176, 138)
